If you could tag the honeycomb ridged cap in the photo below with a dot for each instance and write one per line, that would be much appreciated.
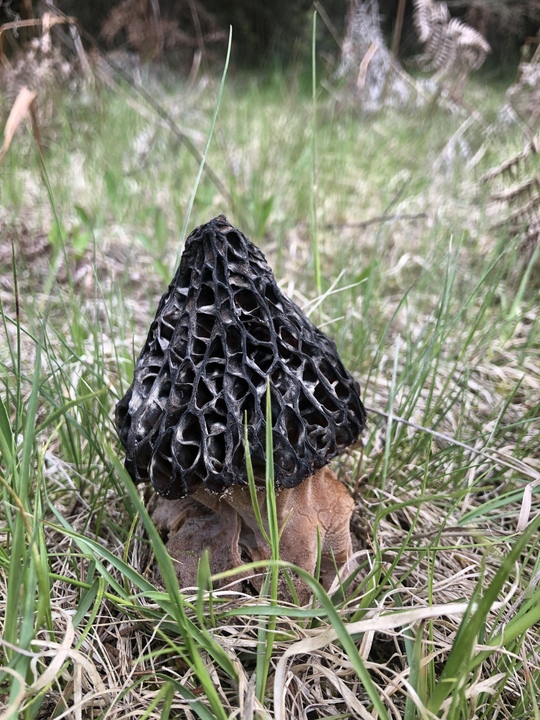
(222, 331)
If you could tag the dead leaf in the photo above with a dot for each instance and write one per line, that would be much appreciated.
(19, 111)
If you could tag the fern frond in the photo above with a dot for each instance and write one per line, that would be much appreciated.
(472, 45)
(427, 16)
(522, 199)
(513, 163)
(517, 192)
(442, 50)
(522, 215)
(118, 18)
(448, 42)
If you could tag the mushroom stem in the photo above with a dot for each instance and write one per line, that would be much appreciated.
(227, 527)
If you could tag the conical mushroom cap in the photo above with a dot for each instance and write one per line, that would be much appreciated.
(221, 330)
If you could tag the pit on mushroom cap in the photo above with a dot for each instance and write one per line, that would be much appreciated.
(221, 331)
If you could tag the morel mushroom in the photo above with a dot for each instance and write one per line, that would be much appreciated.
(222, 334)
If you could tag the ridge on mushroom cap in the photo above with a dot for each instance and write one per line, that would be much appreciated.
(222, 328)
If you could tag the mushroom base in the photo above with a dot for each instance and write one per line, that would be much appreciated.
(226, 526)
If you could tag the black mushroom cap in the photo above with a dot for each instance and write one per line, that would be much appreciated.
(222, 328)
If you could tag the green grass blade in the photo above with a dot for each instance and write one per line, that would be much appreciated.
(313, 195)
(460, 658)
(192, 636)
(267, 629)
(207, 146)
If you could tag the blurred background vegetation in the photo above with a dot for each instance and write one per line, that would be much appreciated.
(275, 31)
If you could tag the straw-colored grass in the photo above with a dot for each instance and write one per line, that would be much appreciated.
(441, 619)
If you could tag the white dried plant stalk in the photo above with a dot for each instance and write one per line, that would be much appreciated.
(373, 78)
